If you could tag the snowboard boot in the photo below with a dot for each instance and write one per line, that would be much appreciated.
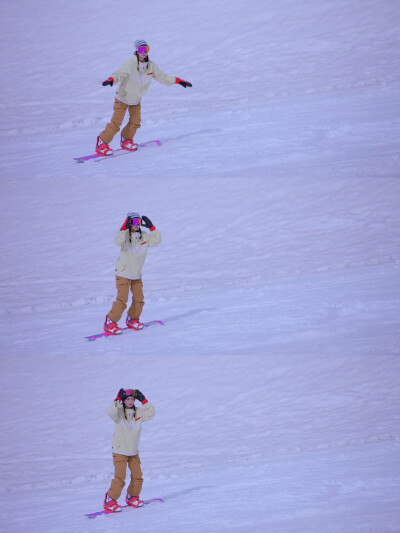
(128, 144)
(111, 327)
(133, 501)
(111, 505)
(103, 148)
(133, 323)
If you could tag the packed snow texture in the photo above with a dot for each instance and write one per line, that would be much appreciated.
(275, 376)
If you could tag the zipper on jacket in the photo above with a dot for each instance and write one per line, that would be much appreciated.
(142, 72)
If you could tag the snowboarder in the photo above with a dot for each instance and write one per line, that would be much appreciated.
(128, 426)
(134, 78)
(134, 244)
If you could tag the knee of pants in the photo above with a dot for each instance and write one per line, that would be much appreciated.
(115, 127)
(120, 482)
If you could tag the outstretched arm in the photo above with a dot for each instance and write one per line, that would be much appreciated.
(183, 83)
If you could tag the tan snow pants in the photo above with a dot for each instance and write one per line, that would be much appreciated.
(123, 285)
(118, 483)
(114, 125)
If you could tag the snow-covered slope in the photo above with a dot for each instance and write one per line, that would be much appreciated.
(276, 189)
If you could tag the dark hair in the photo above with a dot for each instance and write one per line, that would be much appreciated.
(146, 60)
(130, 232)
(134, 409)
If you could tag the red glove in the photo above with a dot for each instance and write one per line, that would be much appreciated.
(183, 83)
(147, 223)
(124, 225)
(108, 81)
(141, 397)
(120, 396)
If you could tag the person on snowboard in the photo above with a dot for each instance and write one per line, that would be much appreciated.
(128, 426)
(134, 244)
(134, 78)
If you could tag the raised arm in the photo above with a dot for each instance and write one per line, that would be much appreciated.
(147, 410)
(154, 237)
(116, 408)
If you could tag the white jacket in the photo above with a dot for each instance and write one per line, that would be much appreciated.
(135, 77)
(133, 254)
(127, 430)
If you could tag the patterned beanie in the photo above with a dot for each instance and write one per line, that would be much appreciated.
(133, 214)
(140, 42)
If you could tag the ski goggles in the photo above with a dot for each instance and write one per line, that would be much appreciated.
(136, 221)
(143, 49)
(130, 392)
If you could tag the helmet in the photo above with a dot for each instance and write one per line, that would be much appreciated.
(134, 219)
(133, 214)
(140, 42)
(123, 394)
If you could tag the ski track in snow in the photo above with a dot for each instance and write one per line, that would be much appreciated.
(276, 189)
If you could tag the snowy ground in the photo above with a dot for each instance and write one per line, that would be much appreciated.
(276, 189)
